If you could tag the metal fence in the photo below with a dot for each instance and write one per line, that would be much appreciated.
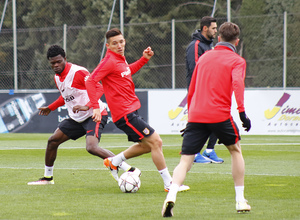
(272, 56)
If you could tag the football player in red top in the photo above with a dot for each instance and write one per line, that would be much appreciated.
(218, 73)
(116, 76)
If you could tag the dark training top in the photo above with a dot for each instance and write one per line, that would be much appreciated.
(198, 46)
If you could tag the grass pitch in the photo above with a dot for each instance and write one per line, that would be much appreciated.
(85, 190)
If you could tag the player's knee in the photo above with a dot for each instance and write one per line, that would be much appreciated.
(52, 143)
(234, 148)
(157, 143)
(91, 149)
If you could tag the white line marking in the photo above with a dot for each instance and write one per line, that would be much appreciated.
(43, 148)
(195, 172)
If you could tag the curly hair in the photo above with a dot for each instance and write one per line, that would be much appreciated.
(54, 51)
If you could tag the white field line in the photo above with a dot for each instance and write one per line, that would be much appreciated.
(195, 172)
(82, 147)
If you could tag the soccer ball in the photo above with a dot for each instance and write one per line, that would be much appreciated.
(129, 182)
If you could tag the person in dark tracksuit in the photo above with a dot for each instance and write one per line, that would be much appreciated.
(202, 42)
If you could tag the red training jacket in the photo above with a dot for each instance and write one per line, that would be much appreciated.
(217, 74)
(119, 89)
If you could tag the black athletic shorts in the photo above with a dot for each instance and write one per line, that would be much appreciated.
(196, 135)
(75, 130)
(134, 126)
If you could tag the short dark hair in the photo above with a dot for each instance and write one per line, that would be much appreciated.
(229, 31)
(206, 21)
(54, 51)
(113, 32)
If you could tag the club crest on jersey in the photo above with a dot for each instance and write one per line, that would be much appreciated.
(146, 131)
(126, 73)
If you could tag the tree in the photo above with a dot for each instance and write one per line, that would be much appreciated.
(262, 29)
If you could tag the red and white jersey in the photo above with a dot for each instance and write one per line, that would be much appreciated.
(73, 96)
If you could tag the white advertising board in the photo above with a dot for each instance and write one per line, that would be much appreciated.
(271, 111)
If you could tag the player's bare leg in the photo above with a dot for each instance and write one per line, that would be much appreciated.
(151, 144)
(238, 174)
(57, 138)
(180, 171)
(93, 148)
(179, 174)
(237, 164)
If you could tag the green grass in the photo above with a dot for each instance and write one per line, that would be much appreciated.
(84, 189)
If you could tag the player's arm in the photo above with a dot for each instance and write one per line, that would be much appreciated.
(147, 55)
(238, 77)
(99, 93)
(54, 105)
(79, 82)
(191, 90)
(105, 67)
(78, 108)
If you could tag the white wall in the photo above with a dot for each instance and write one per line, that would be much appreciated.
(269, 115)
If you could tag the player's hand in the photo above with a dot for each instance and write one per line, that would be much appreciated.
(148, 53)
(96, 115)
(246, 121)
(78, 108)
(44, 111)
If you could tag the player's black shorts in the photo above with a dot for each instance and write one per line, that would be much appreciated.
(134, 126)
(75, 130)
(196, 135)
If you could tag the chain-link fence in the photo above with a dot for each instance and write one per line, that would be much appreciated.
(262, 48)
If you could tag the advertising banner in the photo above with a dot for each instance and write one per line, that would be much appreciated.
(19, 113)
(271, 111)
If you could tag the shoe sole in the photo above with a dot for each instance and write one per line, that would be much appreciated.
(40, 183)
(117, 180)
(213, 161)
(184, 190)
(168, 209)
(243, 211)
(203, 162)
(136, 172)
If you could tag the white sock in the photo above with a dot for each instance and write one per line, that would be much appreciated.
(118, 159)
(165, 175)
(48, 171)
(124, 166)
(172, 192)
(239, 193)
(209, 150)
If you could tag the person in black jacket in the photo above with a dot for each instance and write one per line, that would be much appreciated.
(202, 41)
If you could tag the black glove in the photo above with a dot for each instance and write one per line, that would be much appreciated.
(246, 121)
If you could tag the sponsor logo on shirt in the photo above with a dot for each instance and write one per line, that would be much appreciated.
(126, 73)
(69, 98)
